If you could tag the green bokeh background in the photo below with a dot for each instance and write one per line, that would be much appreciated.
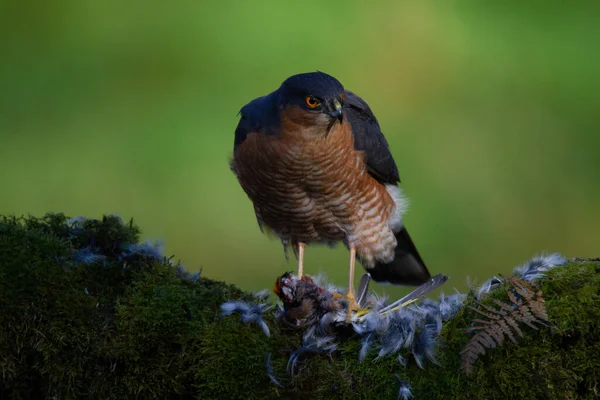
(492, 112)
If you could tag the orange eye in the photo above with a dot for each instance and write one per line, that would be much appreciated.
(312, 102)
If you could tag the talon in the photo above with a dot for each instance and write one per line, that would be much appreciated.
(352, 307)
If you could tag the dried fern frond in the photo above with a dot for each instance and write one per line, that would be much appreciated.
(525, 306)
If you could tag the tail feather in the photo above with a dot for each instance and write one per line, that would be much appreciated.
(407, 268)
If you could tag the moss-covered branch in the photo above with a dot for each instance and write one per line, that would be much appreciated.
(87, 311)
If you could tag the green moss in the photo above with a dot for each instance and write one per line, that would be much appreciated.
(552, 363)
(123, 324)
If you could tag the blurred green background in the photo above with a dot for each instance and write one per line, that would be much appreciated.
(491, 111)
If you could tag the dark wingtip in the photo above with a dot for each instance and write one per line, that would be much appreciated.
(407, 268)
(404, 270)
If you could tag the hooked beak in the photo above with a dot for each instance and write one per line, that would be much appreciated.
(337, 111)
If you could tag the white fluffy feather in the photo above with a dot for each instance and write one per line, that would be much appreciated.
(402, 204)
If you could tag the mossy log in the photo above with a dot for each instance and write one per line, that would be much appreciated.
(88, 312)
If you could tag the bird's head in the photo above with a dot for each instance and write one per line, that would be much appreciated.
(313, 99)
(291, 289)
(285, 287)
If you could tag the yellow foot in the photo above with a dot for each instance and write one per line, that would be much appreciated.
(352, 306)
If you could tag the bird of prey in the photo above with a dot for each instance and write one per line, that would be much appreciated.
(315, 164)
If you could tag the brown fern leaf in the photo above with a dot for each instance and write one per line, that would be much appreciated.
(488, 315)
(525, 306)
(531, 304)
(510, 321)
(532, 296)
(505, 329)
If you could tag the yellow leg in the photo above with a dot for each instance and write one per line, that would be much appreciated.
(300, 260)
(352, 304)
